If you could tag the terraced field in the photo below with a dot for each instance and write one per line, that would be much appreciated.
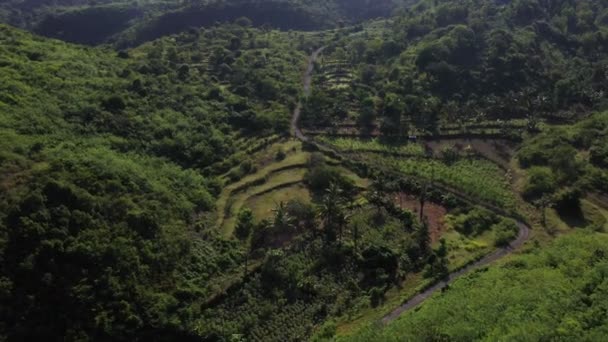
(273, 182)
(373, 145)
(336, 74)
(475, 177)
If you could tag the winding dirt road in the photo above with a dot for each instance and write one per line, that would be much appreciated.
(522, 236)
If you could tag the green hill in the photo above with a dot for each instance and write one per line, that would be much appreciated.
(108, 165)
(130, 23)
(445, 66)
(150, 188)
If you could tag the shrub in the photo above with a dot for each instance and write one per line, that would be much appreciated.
(319, 178)
(475, 221)
(541, 181)
(247, 166)
(114, 104)
(235, 174)
(506, 231)
(281, 155)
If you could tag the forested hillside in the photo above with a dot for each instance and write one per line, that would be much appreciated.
(174, 177)
(460, 66)
(108, 159)
(129, 23)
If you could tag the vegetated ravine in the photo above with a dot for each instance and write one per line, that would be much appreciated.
(522, 236)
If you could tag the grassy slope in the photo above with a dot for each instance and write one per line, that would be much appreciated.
(529, 297)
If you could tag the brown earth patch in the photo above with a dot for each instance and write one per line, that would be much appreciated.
(433, 213)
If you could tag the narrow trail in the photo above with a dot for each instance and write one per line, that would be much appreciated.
(522, 237)
(307, 80)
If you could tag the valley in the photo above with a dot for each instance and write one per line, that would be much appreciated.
(291, 170)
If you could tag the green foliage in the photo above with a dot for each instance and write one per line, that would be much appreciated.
(506, 231)
(477, 177)
(461, 63)
(559, 290)
(245, 224)
(540, 182)
(475, 222)
(374, 145)
(320, 177)
(566, 157)
(103, 202)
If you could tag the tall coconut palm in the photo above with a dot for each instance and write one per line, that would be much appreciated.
(283, 221)
(331, 209)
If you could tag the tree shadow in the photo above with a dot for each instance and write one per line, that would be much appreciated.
(573, 217)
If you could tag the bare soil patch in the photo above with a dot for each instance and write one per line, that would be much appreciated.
(433, 213)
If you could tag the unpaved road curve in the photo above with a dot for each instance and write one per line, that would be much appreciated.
(524, 232)
(522, 236)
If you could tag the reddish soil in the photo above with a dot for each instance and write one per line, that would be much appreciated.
(434, 213)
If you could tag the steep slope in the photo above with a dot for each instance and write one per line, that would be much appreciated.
(107, 172)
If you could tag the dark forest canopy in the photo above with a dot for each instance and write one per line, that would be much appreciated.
(466, 61)
(128, 22)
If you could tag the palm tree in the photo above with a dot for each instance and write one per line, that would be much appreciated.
(334, 192)
(283, 221)
(423, 195)
(331, 208)
(377, 193)
(343, 219)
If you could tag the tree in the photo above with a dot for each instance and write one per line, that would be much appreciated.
(542, 204)
(377, 194)
(243, 22)
(422, 199)
(541, 182)
(331, 211)
(283, 221)
(183, 72)
(343, 219)
(367, 114)
(423, 239)
(441, 269)
(245, 224)
(114, 104)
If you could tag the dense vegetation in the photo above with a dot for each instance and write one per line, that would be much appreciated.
(467, 63)
(129, 22)
(565, 163)
(150, 189)
(106, 162)
(557, 293)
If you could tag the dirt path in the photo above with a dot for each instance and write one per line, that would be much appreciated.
(522, 237)
(295, 128)
(524, 232)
